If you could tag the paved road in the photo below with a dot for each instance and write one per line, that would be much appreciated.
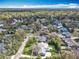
(20, 51)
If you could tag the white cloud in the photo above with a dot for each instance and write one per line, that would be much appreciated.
(71, 5)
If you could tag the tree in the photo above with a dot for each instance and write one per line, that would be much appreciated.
(4, 56)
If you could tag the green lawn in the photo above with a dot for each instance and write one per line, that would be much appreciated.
(28, 47)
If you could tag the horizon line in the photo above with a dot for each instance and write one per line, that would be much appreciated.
(71, 5)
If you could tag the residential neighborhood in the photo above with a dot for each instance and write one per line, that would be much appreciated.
(39, 34)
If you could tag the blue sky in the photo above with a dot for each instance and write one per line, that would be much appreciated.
(38, 3)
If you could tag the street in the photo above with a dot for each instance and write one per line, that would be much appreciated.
(20, 50)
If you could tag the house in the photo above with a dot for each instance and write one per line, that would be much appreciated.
(23, 27)
(2, 47)
(26, 19)
(2, 23)
(43, 47)
(40, 49)
(42, 39)
(14, 21)
(30, 27)
(44, 29)
(59, 25)
(62, 29)
(2, 30)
